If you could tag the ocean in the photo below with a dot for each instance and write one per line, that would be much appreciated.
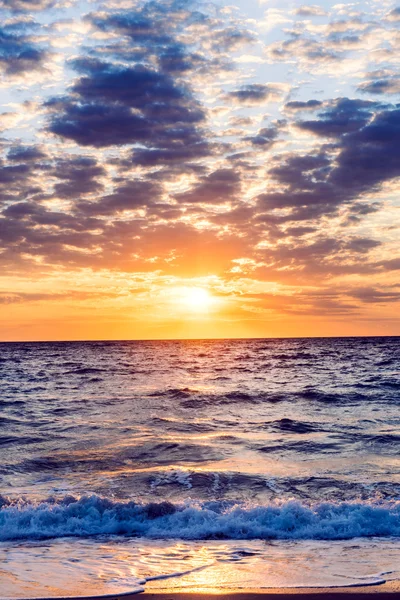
(198, 465)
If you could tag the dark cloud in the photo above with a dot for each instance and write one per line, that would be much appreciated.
(128, 196)
(359, 210)
(253, 93)
(17, 181)
(366, 155)
(299, 231)
(228, 39)
(393, 264)
(144, 26)
(216, 188)
(265, 137)
(116, 105)
(371, 295)
(80, 176)
(381, 82)
(363, 208)
(132, 86)
(31, 177)
(19, 52)
(152, 32)
(342, 117)
(176, 59)
(369, 156)
(362, 245)
(173, 155)
(298, 105)
(303, 186)
(23, 215)
(26, 154)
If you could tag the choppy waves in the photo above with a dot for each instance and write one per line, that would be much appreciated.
(92, 516)
(235, 420)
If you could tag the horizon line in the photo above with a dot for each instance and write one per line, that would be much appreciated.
(208, 339)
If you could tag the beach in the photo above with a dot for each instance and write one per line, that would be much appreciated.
(383, 593)
(379, 593)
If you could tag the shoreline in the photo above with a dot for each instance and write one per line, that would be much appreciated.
(379, 591)
(358, 593)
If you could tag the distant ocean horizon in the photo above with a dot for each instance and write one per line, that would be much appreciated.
(198, 339)
(207, 464)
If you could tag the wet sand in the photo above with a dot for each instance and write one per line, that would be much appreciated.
(379, 592)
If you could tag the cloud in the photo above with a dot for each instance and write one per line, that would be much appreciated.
(310, 10)
(317, 258)
(21, 6)
(134, 169)
(134, 87)
(81, 175)
(254, 93)
(16, 182)
(381, 82)
(299, 231)
(25, 154)
(299, 105)
(128, 196)
(334, 46)
(177, 155)
(19, 52)
(372, 295)
(218, 187)
(265, 137)
(302, 185)
(394, 15)
(343, 116)
(366, 154)
(21, 297)
(371, 155)
(176, 35)
(116, 105)
(306, 51)
(145, 26)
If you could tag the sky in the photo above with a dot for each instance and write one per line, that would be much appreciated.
(190, 169)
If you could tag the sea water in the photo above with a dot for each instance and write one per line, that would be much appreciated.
(198, 465)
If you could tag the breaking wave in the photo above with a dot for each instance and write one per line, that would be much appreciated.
(93, 515)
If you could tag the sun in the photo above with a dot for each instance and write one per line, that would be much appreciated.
(196, 298)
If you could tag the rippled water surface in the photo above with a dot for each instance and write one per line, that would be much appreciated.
(199, 440)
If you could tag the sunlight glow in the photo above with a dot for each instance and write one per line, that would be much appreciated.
(196, 299)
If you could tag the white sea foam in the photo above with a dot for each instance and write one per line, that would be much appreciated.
(176, 476)
(92, 515)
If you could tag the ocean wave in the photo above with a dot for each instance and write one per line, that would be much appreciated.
(292, 426)
(194, 398)
(92, 515)
(86, 371)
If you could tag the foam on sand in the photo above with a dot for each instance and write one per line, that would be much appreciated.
(117, 566)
